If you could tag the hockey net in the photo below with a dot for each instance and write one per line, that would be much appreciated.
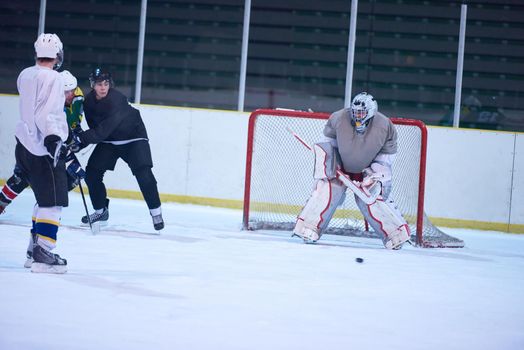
(279, 177)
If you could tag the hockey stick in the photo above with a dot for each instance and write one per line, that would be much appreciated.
(85, 205)
(365, 196)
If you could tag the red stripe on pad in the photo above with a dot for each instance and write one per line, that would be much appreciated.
(8, 193)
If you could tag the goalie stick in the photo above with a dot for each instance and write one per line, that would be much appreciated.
(366, 196)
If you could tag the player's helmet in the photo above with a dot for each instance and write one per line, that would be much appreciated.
(50, 46)
(99, 75)
(70, 82)
(363, 108)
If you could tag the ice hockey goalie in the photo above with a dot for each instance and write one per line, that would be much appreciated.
(363, 143)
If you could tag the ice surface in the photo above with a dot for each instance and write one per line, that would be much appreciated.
(205, 284)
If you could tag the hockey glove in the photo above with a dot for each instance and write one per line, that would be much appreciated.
(77, 129)
(376, 172)
(371, 184)
(76, 144)
(56, 148)
(75, 169)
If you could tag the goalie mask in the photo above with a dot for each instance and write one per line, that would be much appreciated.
(363, 108)
(50, 46)
(99, 75)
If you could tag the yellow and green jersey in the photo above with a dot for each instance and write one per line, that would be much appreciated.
(75, 112)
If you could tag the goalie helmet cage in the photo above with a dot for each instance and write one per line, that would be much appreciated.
(279, 177)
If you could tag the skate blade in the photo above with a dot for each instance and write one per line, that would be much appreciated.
(309, 241)
(304, 238)
(99, 223)
(45, 268)
(28, 263)
(95, 227)
(398, 246)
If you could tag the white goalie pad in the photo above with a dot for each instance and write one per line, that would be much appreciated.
(325, 161)
(386, 220)
(319, 209)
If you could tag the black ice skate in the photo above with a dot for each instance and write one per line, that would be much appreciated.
(47, 262)
(158, 222)
(101, 218)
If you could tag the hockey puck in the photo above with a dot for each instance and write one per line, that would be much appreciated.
(359, 260)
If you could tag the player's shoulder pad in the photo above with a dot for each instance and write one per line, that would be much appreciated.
(381, 119)
(49, 75)
(336, 117)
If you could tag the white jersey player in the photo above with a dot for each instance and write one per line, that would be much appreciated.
(40, 150)
(364, 142)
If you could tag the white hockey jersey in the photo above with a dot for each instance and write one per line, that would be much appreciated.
(41, 108)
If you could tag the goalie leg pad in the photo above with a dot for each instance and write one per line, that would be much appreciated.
(385, 219)
(319, 209)
(307, 232)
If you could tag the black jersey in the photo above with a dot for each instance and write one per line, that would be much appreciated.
(111, 119)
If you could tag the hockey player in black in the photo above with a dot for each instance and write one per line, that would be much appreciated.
(119, 132)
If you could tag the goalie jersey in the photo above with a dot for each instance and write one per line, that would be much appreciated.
(358, 150)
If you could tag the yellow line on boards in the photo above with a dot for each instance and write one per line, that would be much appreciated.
(238, 204)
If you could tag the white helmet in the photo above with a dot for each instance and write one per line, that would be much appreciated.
(70, 82)
(50, 46)
(363, 108)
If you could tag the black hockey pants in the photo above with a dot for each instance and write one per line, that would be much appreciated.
(137, 155)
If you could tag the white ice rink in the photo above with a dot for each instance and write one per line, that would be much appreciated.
(205, 284)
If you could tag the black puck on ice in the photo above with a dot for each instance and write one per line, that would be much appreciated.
(359, 260)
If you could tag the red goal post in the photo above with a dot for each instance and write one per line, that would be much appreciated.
(279, 177)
